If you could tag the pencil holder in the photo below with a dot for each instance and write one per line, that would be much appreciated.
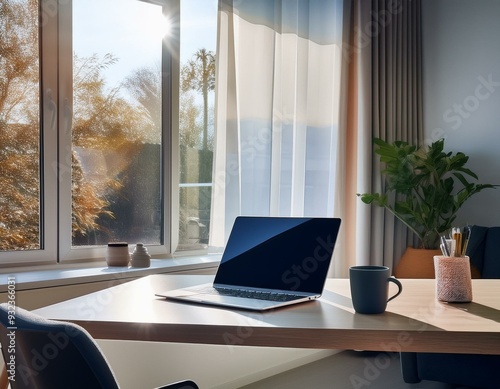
(453, 279)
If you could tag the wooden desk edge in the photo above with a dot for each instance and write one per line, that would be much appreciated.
(342, 339)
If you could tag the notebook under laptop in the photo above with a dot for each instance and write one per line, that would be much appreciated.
(269, 262)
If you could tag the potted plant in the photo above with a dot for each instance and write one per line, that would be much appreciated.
(425, 187)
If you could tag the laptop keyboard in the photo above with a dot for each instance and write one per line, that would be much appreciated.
(259, 295)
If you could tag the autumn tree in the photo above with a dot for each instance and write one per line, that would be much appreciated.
(19, 120)
(106, 122)
(199, 75)
(103, 120)
(19, 64)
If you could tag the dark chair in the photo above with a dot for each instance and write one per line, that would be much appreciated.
(52, 354)
(483, 250)
(477, 371)
(470, 370)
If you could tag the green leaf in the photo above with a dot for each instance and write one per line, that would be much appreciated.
(424, 187)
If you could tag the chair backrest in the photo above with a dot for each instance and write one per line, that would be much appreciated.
(483, 249)
(41, 353)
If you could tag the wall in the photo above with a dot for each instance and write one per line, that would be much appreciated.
(461, 67)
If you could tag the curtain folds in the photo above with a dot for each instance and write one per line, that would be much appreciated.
(302, 89)
(277, 147)
(396, 110)
(397, 63)
(358, 54)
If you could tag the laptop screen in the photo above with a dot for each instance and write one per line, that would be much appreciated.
(284, 253)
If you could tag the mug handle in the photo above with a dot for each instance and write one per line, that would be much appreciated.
(398, 283)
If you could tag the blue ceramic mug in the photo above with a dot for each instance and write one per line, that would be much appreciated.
(370, 288)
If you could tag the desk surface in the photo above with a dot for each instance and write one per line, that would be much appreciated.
(414, 321)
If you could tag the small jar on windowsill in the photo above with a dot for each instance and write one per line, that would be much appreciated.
(117, 254)
(140, 256)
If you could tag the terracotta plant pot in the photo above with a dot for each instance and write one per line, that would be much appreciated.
(416, 263)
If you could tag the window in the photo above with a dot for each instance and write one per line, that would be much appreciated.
(106, 126)
(23, 227)
(197, 85)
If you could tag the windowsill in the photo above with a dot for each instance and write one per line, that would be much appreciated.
(44, 278)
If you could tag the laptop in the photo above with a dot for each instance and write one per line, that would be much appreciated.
(268, 262)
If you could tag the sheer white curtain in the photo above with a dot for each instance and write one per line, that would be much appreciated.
(302, 89)
(278, 147)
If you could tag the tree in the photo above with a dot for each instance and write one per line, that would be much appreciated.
(19, 187)
(19, 63)
(145, 87)
(108, 124)
(87, 205)
(199, 74)
(102, 121)
(189, 127)
(19, 120)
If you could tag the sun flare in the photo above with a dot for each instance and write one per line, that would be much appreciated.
(158, 26)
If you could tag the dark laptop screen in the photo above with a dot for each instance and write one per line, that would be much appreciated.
(285, 253)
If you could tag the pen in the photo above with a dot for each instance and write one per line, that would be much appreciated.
(466, 237)
(444, 246)
(459, 241)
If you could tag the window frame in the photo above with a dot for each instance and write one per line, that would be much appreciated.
(48, 93)
(56, 83)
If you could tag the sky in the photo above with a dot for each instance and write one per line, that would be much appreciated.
(132, 31)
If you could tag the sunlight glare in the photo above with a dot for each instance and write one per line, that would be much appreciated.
(158, 26)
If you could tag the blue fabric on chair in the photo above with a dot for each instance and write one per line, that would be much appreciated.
(478, 371)
(476, 247)
(484, 251)
(471, 370)
(52, 354)
(491, 262)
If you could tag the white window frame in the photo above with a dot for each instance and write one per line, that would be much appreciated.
(56, 110)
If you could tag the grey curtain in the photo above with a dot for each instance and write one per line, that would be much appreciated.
(396, 29)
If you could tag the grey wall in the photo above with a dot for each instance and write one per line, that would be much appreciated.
(461, 67)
